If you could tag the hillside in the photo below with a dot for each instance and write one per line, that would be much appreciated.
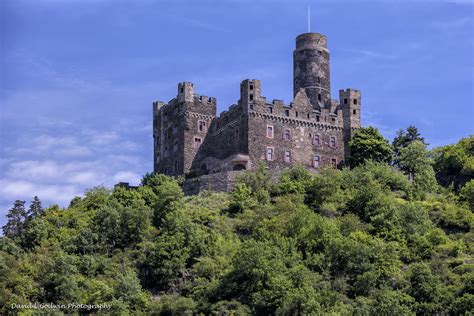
(374, 239)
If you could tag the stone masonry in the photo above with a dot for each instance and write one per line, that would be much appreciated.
(313, 130)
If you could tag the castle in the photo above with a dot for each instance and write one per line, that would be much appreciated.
(313, 130)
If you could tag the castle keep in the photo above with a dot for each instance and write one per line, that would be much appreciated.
(313, 130)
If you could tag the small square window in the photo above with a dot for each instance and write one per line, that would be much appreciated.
(269, 131)
(287, 157)
(355, 101)
(345, 101)
(251, 87)
(251, 97)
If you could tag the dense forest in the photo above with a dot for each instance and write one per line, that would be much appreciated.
(390, 234)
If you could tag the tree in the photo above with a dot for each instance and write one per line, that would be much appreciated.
(405, 138)
(36, 209)
(368, 144)
(454, 164)
(16, 218)
(413, 160)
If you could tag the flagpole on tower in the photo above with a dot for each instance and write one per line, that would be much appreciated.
(309, 20)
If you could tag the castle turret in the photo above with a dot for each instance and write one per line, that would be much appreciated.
(311, 68)
(350, 104)
(250, 90)
(185, 92)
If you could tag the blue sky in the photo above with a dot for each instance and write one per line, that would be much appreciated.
(78, 76)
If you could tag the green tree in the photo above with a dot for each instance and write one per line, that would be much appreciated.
(405, 138)
(368, 144)
(36, 209)
(15, 220)
(414, 160)
(467, 194)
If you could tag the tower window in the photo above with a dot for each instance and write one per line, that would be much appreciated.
(317, 140)
(319, 97)
(332, 142)
(209, 100)
(251, 97)
(251, 87)
(197, 142)
(202, 126)
(345, 101)
(287, 135)
(334, 162)
(270, 110)
(316, 161)
(307, 115)
(354, 111)
(181, 90)
(317, 118)
(287, 112)
(269, 131)
(355, 101)
(269, 154)
(287, 157)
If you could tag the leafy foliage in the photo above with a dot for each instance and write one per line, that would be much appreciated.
(368, 144)
(377, 239)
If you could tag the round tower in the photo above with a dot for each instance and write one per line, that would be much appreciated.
(311, 68)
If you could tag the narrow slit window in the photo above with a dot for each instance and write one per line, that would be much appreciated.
(319, 97)
(355, 101)
(287, 112)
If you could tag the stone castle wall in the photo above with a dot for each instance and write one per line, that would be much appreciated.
(313, 130)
